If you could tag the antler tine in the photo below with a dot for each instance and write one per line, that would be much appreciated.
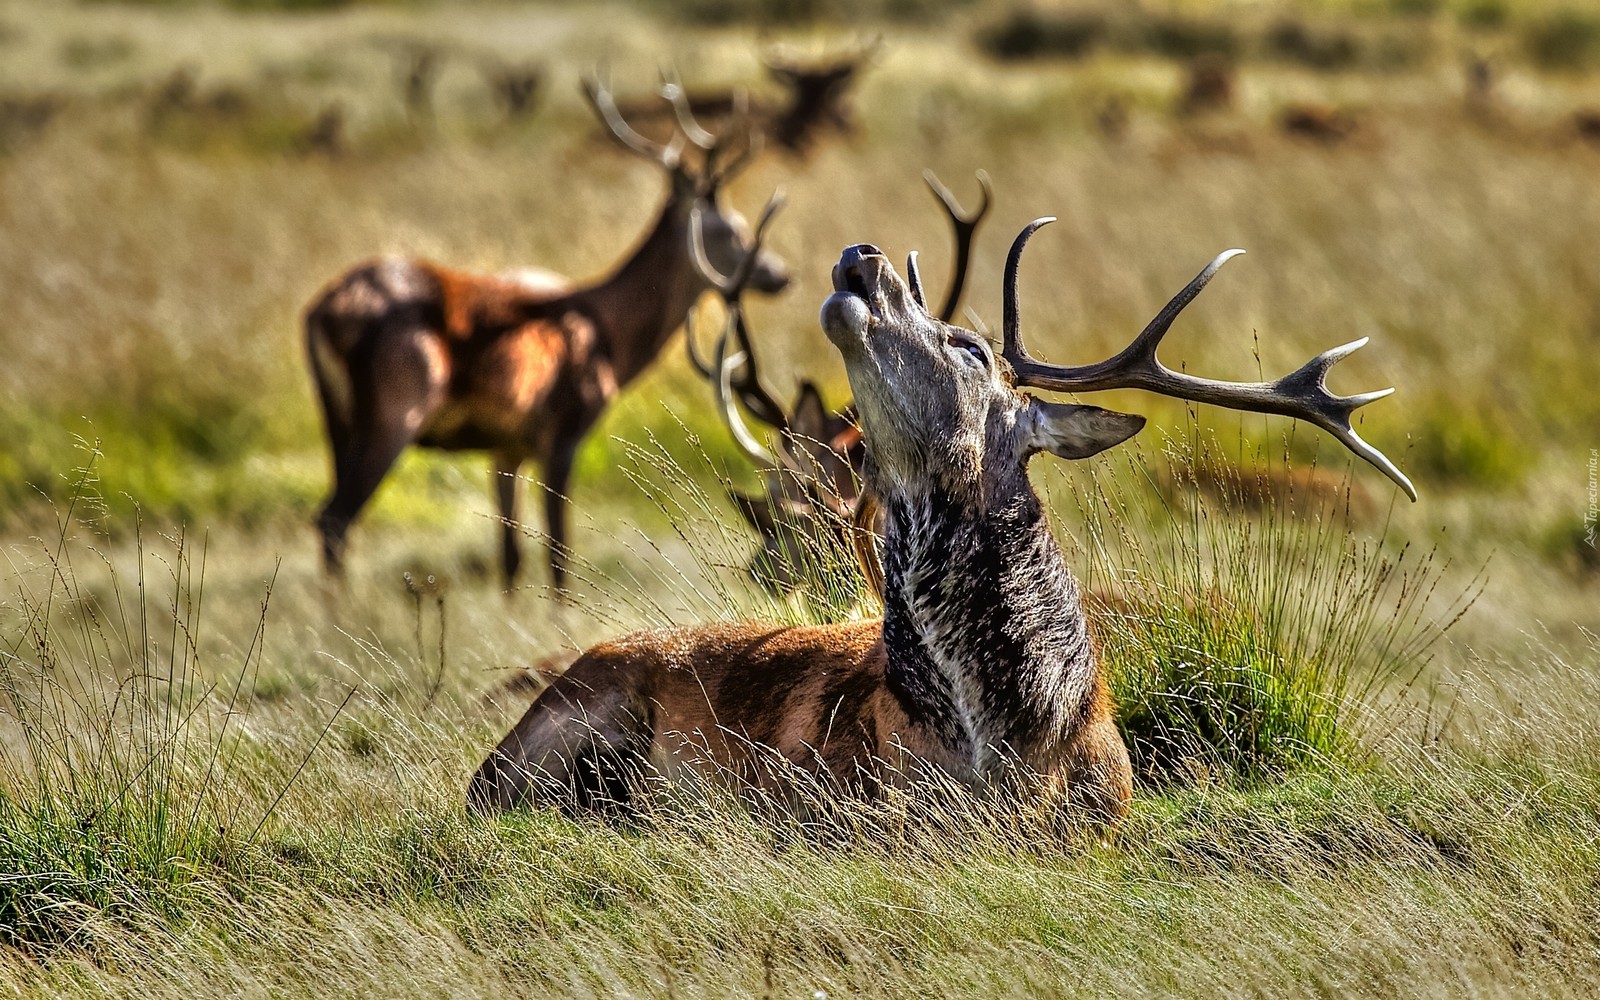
(744, 378)
(1302, 394)
(672, 90)
(605, 105)
(738, 125)
(966, 227)
(752, 393)
(690, 344)
(779, 59)
(1010, 321)
(748, 384)
(914, 279)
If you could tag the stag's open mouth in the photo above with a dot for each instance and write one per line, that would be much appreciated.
(850, 280)
(850, 274)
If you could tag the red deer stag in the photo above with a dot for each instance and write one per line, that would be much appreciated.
(521, 365)
(812, 475)
(983, 656)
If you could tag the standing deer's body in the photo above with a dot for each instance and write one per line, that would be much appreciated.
(406, 352)
(983, 654)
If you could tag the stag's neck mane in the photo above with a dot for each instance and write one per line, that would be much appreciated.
(983, 625)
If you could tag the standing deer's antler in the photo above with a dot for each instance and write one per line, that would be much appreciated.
(724, 371)
(715, 145)
(966, 227)
(726, 363)
(605, 104)
(1302, 394)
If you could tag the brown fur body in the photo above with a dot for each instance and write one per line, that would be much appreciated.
(983, 660)
(727, 700)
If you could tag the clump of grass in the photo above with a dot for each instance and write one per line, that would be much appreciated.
(1243, 634)
(1484, 15)
(1570, 544)
(793, 12)
(187, 450)
(1294, 41)
(1187, 38)
(112, 739)
(95, 52)
(1467, 446)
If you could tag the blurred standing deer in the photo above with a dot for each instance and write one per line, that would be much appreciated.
(520, 365)
(983, 656)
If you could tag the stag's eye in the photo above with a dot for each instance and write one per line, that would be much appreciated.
(972, 349)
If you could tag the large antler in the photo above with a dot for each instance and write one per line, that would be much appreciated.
(1302, 394)
(716, 145)
(727, 363)
(605, 104)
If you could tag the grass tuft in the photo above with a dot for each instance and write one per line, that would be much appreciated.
(112, 739)
(1244, 631)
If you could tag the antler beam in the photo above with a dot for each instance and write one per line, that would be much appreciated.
(715, 145)
(1302, 394)
(965, 225)
(605, 104)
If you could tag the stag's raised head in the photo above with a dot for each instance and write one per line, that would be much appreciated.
(935, 402)
(933, 397)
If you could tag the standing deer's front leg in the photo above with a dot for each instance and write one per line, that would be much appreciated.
(504, 475)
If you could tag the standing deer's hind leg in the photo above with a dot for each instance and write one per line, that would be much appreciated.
(557, 473)
(394, 393)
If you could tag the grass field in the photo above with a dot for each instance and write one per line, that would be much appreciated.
(1366, 729)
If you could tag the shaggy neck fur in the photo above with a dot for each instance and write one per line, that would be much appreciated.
(983, 624)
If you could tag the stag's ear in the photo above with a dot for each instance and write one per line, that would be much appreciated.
(1070, 431)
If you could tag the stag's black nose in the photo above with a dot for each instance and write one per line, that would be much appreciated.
(850, 274)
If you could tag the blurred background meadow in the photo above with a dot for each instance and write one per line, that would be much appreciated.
(1365, 728)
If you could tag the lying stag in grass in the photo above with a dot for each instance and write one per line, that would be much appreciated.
(520, 365)
(811, 508)
(983, 656)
